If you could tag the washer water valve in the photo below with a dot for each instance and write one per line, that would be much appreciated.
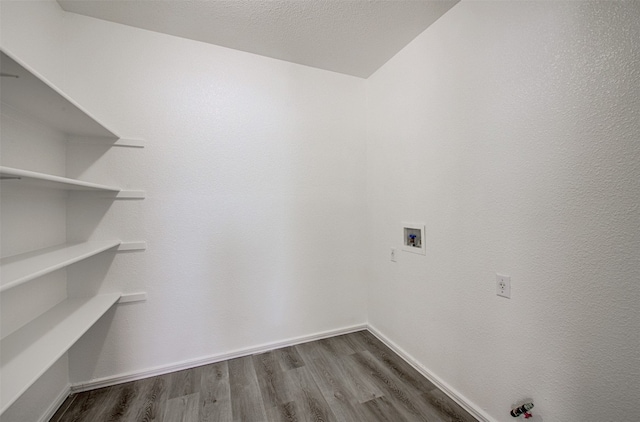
(522, 410)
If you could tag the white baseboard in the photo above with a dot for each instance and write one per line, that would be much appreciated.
(455, 395)
(192, 363)
(53, 407)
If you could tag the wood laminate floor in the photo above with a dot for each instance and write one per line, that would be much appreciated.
(352, 377)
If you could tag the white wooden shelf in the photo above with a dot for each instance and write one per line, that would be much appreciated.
(27, 353)
(34, 96)
(14, 175)
(18, 269)
(29, 100)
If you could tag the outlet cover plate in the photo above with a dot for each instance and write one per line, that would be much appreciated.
(503, 285)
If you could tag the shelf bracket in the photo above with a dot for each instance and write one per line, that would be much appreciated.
(129, 143)
(109, 142)
(133, 297)
(132, 246)
(130, 194)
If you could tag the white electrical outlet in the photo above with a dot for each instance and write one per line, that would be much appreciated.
(503, 286)
(393, 254)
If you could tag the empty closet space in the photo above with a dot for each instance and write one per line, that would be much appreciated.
(199, 184)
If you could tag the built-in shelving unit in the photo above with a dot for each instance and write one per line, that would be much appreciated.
(30, 94)
(27, 353)
(35, 344)
(18, 269)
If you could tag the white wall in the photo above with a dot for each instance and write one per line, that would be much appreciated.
(255, 183)
(511, 130)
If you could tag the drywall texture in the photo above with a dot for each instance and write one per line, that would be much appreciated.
(511, 130)
(254, 178)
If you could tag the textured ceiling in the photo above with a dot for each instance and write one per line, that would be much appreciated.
(354, 37)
